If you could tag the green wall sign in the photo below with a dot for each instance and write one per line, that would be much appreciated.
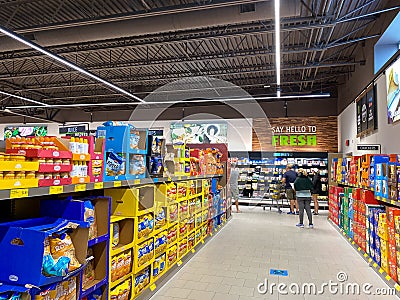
(288, 136)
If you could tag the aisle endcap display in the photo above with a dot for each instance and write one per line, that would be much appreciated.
(128, 238)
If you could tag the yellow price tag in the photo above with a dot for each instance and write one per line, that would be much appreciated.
(153, 287)
(393, 202)
(58, 189)
(193, 251)
(117, 183)
(211, 234)
(19, 193)
(179, 263)
(80, 188)
(179, 177)
(202, 241)
(98, 185)
(136, 181)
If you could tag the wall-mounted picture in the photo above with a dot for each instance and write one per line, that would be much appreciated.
(393, 92)
(24, 131)
(199, 133)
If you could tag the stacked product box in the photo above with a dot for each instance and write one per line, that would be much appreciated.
(380, 176)
(362, 198)
(365, 170)
(334, 200)
(392, 213)
(393, 181)
(346, 208)
(372, 233)
(353, 178)
(383, 245)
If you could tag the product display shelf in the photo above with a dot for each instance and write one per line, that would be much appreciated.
(382, 199)
(21, 192)
(378, 270)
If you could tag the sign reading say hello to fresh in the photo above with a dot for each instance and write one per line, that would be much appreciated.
(305, 135)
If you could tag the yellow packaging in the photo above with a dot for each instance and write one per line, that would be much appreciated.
(114, 275)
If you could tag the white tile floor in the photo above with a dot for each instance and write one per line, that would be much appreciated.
(239, 257)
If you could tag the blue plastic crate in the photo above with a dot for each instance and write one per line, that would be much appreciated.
(22, 248)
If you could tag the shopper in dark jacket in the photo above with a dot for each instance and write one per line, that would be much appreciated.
(317, 190)
(303, 187)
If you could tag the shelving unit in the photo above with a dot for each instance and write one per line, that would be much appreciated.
(262, 172)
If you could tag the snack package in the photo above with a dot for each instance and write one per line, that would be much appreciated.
(88, 273)
(120, 265)
(172, 255)
(115, 164)
(142, 253)
(137, 165)
(127, 263)
(173, 212)
(114, 268)
(90, 217)
(160, 218)
(62, 246)
(115, 235)
(70, 288)
(96, 295)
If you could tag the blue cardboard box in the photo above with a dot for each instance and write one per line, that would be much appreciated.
(22, 248)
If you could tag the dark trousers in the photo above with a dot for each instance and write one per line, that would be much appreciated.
(304, 203)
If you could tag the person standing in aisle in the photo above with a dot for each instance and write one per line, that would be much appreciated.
(288, 179)
(317, 190)
(303, 187)
(234, 185)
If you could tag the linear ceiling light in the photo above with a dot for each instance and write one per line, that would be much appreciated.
(278, 47)
(65, 62)
(223, 100)
(23, 98)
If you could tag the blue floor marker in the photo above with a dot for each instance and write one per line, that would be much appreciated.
(278, 272)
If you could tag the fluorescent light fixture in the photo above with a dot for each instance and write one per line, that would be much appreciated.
(66, 62)
(28, 116)
(267, 86)
(23, 98)
(278, 46)
(222, 100)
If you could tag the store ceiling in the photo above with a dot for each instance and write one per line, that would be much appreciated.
(142, 45)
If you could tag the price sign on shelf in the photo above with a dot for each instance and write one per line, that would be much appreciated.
(98, 185)
(153, 287)
(80, 188)
(117, 183)
(58, 189)
(19, 193)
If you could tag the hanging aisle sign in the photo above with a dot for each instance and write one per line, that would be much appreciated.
(294, 135)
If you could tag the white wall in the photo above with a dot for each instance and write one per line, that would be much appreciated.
(388, 135)
(239, 130)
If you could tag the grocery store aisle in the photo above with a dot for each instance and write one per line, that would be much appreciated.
(240, 257)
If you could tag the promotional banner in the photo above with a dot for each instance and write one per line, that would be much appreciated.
(199, 133)
(358, 107)
(393, 92)
(24, 131)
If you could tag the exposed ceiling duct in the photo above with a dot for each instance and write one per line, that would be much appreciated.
(155, 24)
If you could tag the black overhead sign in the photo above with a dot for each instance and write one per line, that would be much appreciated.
(368, 147)
(78, 130)
(366, 111)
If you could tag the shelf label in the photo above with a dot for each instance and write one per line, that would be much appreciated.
(153, 287)
(98, 185)
(80, 188)
(193, 251)
(19, 193)
(117, 183)
(136, 181)
(179, 263)
(56, 189)
(202, 241)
